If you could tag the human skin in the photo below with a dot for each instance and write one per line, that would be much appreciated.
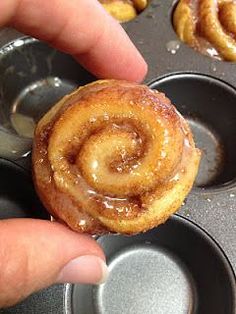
(33, 253)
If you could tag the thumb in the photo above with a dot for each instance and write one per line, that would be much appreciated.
(35, 254)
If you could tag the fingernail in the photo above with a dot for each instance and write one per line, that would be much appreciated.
(86, 269)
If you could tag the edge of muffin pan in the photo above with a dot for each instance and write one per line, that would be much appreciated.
(185, 76)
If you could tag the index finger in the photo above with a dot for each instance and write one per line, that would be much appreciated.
(81, 28)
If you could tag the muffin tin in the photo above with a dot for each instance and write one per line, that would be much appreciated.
(187, 265)
(158, 272)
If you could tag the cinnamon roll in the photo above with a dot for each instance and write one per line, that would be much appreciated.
(113, 156)
(208, 26)
(124, 10)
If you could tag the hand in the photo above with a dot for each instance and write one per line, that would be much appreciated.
(33, 253)
(81, 28)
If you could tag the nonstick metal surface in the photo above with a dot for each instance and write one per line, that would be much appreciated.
(175, 268)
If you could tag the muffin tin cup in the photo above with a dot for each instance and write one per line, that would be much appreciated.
(33, 78)
(18, 198)
(187, 265)
(209, 105)
(175, 268)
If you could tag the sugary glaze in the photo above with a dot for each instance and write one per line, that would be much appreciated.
(124, 10)
(208, 26)
(113, 156)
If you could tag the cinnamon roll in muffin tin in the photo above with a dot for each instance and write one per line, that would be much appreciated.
(187, 265)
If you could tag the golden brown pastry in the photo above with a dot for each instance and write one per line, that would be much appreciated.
(208, 26)
(113, 156)
(124, 10)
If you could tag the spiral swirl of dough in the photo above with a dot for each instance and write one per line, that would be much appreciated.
(113, 156)
(208, 25)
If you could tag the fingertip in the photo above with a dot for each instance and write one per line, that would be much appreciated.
(132, 68)
(86, 269)
(34, 252)
(138, 71)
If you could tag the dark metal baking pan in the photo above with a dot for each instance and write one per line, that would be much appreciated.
(175, 268)
(180, 72)
(18, 198)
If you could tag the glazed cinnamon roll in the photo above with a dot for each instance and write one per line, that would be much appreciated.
(208, 26)
(124, 10)
(113, 156)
